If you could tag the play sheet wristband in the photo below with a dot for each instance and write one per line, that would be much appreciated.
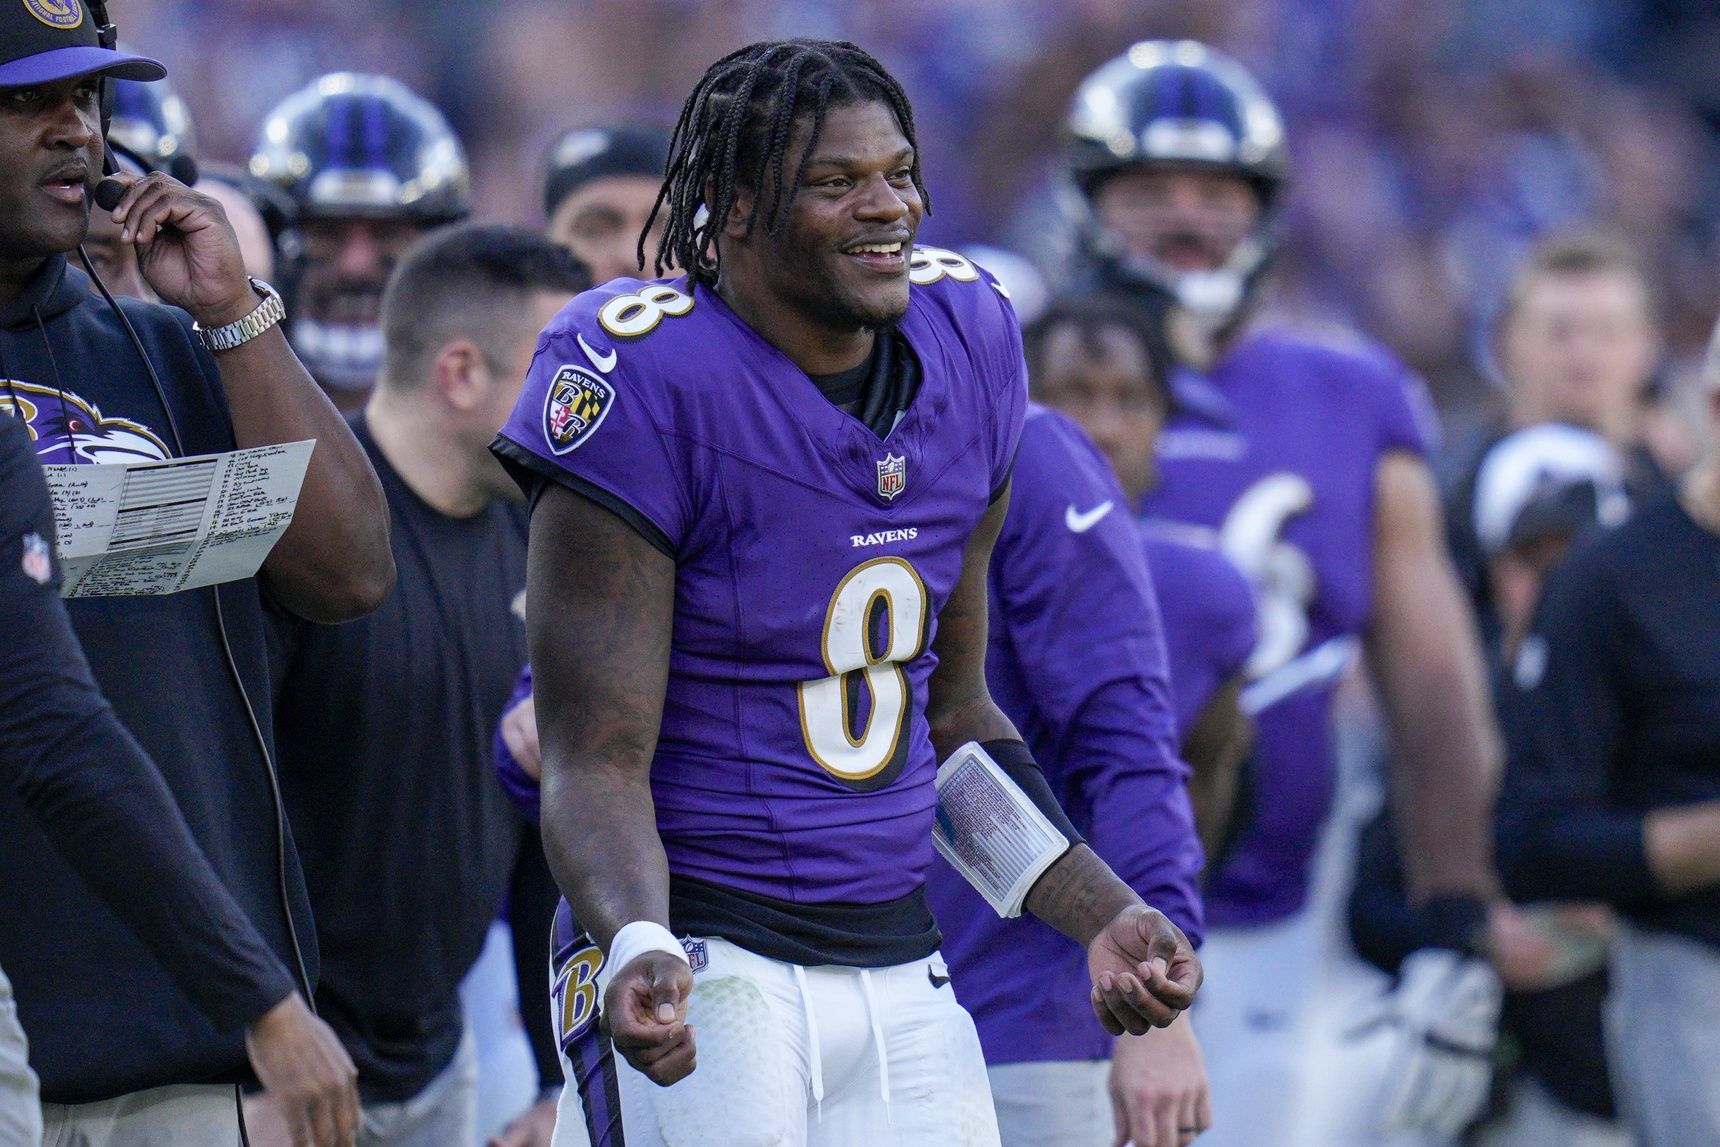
(990, 831)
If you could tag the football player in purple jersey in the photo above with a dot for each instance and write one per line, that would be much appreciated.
(765, 497)
(1307, 458)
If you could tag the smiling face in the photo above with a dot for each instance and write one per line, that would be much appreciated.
(50, 156)
(840, 262)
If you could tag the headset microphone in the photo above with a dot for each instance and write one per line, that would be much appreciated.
(108, 194)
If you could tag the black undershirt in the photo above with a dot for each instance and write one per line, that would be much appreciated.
(878, 390)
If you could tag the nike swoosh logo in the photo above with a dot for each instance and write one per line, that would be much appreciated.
(937, 980)
(604, 363)
(1080, 523)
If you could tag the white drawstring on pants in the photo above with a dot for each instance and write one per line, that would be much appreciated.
(878, 1038)
(814, 1053)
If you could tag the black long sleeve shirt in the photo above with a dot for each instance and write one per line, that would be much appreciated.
(93, 792)
(1617, 714)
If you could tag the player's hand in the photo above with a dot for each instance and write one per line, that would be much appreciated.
(535, 1127)
(306, 1074)
(520, 735)
(645, 1007)
(186, 249)
(1159, 1094)
(1144, 971)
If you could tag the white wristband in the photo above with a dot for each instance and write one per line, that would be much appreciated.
(635, 940)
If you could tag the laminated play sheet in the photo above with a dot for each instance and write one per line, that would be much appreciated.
(136, 528)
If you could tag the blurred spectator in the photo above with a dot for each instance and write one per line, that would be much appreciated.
(1436, 139)
(599, 189)
(1612, 790)
(1577, 342)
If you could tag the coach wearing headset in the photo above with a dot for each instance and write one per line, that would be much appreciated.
(124, 1055)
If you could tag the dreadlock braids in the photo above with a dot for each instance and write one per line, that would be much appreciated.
(734, 132)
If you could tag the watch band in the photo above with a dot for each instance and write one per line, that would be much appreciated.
(266, 314)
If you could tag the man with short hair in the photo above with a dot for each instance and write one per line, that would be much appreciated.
(1577, 340)
(765, 501)
(125, 1055)
(598, 194)
(371, 167)
(384, 724)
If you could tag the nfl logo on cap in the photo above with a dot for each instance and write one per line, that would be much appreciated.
(892, 476)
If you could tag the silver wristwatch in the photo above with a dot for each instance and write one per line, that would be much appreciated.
(267, 313)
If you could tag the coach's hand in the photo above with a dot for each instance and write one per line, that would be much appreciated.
(1144, 971)
(307, 1075)
(645, 1007)
(186, 250)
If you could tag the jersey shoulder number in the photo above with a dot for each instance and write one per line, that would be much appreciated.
(638, 312)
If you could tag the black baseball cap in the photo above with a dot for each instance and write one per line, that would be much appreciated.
(45, 41)
(588, 153)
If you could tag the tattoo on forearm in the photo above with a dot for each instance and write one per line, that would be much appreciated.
(1079, 895)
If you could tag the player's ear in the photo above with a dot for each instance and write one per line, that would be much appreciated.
(460, 374)
(735, 226)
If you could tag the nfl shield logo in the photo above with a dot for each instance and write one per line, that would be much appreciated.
(576, 404)
(892, 476)
(38, 563)
(697, 954)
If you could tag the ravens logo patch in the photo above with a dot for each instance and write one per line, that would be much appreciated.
(574, 408)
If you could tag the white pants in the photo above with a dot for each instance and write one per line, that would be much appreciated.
(194, 1115)
(1061, 1103)
(804, 1057)
(1252, 1021)
(20, 1110)
(1663, 1036)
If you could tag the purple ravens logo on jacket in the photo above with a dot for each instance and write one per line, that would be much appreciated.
(68, 430)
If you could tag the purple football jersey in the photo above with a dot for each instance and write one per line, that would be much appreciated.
(812, 558)
(1279, 460)
(1208, 611)
(1077, 661)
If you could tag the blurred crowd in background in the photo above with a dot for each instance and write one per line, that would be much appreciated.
(1431, 140)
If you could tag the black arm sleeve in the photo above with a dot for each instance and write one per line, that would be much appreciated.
(97, 796)
(1559, 836)
(532, 897)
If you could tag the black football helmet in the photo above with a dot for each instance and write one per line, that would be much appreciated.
(1178, 102)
